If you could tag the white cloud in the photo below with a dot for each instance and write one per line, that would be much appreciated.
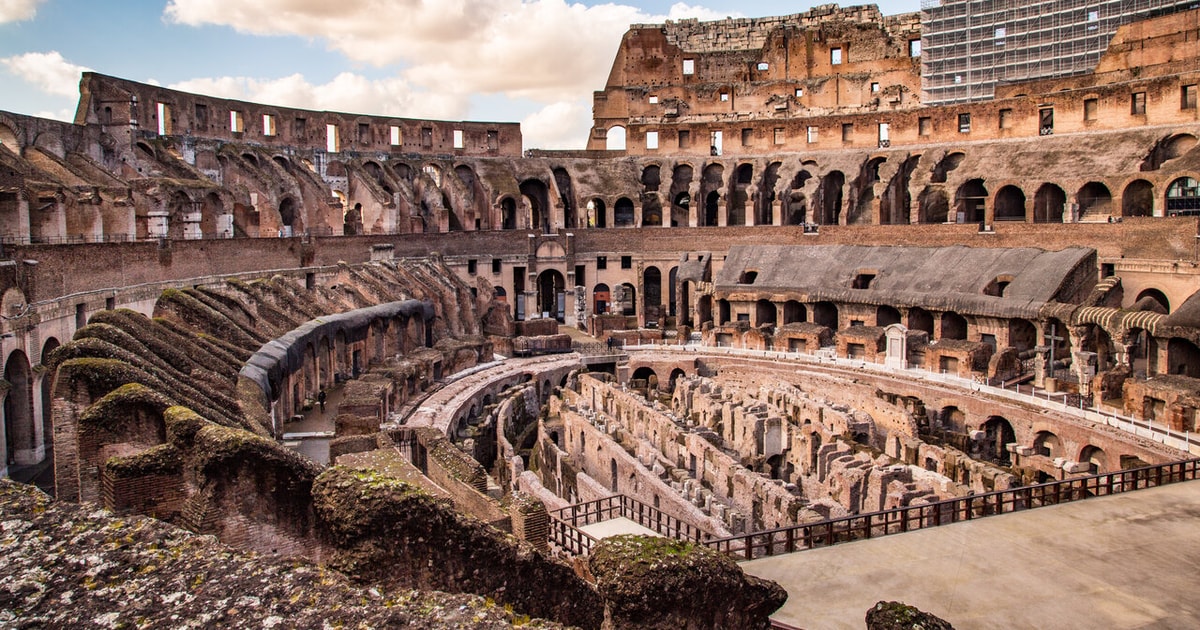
(18, 10)
(546, 50)
(48, 71)
(560, 125)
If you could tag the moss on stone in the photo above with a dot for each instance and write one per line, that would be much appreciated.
(108, 412)
(900, 616)
(163, 459)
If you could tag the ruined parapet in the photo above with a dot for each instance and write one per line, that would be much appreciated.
(391, 534)
(530, 521)
(659, 583)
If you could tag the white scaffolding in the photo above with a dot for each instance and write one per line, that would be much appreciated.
(969, 46)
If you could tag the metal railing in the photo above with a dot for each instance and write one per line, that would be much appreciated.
(876, 524)
(565, 522)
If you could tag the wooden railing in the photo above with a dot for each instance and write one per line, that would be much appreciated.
(565, 522)
(914, 517)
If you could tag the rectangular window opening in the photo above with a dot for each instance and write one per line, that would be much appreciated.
(651, 139)
(472, 266)
(799, 92)
(1046, 121)
(835, 56)
(496, 265)
(268, 122)
(493, 140)
(1005, 118)
(1137, 104)
(847, 132)
(747, 136)
(1187, 97)
(602, 262)
(812, 135)
(426, 136)
(924, 126)
(396, 138)
(779, 135)
(964, 123)
(685, 138)
(724, 97)
(236, 124)
(874, 87)
(1090, 108)
(458, 139)
(715, 141)
(164, 119)
(332, 144)
(653, 100)
(689, 66)
(300, 128)
(762, 66)
(364, 133)
(914, 48)
(627, 262)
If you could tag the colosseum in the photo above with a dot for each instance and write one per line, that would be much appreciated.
(814, 279)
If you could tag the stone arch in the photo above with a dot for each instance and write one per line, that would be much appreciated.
(652, 294)
(680, 193)
(945, 165)
(20, 433)
(794, 312)
(825, 314)
(998, 433)
(1095, 458)
(830, 197)
(743, 176)
(1009, 204)
(704, 310)
(566, 195)
(723, 312)
(672, 283)
(933, 206)
(1159, 302)
(676, 374)
(630, 299)
(711, 212)
(764, 205)
(508, 214)
(1047, 444)
(538, 196)
(1022, 334)
(213, 218)
(601, 299)
(1094, 201)
(1183, 357)
(1138, 199)
(796, 212)
(551, 294)
(765, 313)
(969, 201)
(289, 219)
(646, 373)
(597, 213)
(896, 203)
(954, 326)
(920, 319)
(864, 190)
(1168, 149)
(886, 315)
(614, 140)
(8, 139)
(1183, 197)
(1049, 203)
(623, 213)
(951, 418)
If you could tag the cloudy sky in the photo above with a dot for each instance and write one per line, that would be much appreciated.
(533, 61)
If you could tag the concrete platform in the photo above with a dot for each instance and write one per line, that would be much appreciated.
(1125, 561)
(615, 527)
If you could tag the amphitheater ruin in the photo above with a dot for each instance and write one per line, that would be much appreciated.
(777, 303)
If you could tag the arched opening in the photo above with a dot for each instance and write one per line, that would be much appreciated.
(551, 294)
(998, 434)
(597, 213)
(830, 197)
(895, 206)
(20, 434)
(736, 204)
(933, 206)
(601, 299)
(352, 222)
(1152, 300)
(952, 419)
(825, 314)
(1168, 149)
(704, 310)
(1095, 202)
(1143, 352)
(508, 214)
(676, 374)
(794, 312)
(646, 374)
(947, 164)
(672, 281)
(797, 202)
(920, 319)
(8, 139)
(1095, 458)
(681, 200)
(614, 140)
(954, 326)
(723, 312)
(629, 306)
(623, 213)
(886, 315)
(1183, 197)
(287, 217)
(613, 474)
(1010, 204)
(1047, 444)
(764, 205)
(1049, 203)
(1022, 334)
(538, 195)
(652, 295)
(1138, 199)
(1183, 357)
(969, 202)
(566, 195)
(765, 313)
(711, 209)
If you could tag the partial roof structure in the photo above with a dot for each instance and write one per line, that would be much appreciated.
(1001, 282)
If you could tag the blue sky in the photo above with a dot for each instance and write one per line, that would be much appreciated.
(532, 61)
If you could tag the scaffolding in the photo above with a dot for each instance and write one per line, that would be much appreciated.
(969, 46)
